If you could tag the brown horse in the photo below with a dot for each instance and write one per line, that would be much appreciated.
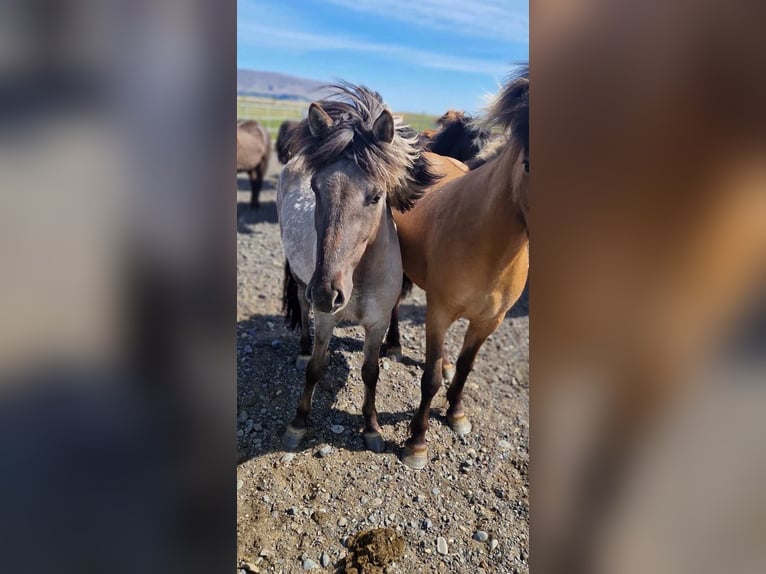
(425, 137)
(487, 241)
(460, 137)
(253, 151)
(356, 163)
(284, 151)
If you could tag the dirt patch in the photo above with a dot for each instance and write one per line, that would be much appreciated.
(369, 552)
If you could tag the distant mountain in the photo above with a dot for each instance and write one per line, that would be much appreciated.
(276, 85)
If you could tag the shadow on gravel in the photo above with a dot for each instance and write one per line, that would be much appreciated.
(269, 388)
(521, 307)
(243, 183)
(266, 213)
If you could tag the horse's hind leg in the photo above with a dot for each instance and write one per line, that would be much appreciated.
(305, 352)
(370, 371)
(315, 369)
(393, 342)
(474, 339)
(415, 453)
(448, 368)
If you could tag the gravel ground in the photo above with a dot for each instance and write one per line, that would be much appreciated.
(468, 511)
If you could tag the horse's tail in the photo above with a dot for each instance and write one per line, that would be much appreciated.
(291, 305)
(406, 287)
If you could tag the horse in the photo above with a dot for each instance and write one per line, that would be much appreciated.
(425, 137)
(487, 241)
(284, 152)
(460, 136)
(355, 164)
(253, 151)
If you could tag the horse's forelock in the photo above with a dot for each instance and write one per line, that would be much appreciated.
(394, 166)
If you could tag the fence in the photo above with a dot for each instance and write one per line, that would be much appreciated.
(271, 113)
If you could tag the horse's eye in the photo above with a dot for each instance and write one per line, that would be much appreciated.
(526, 165)
(375, 199)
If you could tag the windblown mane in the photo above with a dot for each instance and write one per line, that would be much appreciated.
(284, 152)
(396, 167)
(510, 108)
(492, 148)
(461, 136)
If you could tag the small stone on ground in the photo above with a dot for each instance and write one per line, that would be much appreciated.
(441, 545)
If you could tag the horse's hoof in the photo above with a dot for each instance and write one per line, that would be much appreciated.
(374, 442)
(302, 361)
(460, 425)
(448, 372)
(292, 438)
(414, 459)
(394, 353)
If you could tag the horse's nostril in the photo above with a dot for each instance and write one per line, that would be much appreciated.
(338, 298)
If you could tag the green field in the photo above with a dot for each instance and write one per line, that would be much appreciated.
(271, 113)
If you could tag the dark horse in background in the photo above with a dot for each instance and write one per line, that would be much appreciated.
(253, 151)
(460, 137)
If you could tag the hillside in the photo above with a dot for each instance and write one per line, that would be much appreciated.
(278, 86)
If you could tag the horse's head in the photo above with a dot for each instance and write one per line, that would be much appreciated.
(349, 209)
(451, 117)
(362, 161)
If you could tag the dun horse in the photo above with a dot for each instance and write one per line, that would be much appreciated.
(253, 150)
(471, 257)
(355, 163)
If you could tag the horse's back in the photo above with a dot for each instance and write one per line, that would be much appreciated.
(295, 212)
(253, 144)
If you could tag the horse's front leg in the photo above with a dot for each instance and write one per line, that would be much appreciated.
(316, 368)
(475, 336)
(256, 180)
(370, 371)
(415, 453)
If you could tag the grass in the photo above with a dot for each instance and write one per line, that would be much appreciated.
(271, 113)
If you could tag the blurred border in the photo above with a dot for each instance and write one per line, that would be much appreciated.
(117, 226)
(648, 250)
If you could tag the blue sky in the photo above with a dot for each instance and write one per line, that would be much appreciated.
(421, 55)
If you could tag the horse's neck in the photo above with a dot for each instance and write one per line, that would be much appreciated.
(501, 232)
(503, 207)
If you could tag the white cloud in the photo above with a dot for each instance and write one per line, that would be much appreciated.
(506, 20)
(269, 36)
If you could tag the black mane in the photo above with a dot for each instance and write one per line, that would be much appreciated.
(510, 109)
(461, 139)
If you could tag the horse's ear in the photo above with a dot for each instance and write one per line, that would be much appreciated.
(319, 120)
(383, 128)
